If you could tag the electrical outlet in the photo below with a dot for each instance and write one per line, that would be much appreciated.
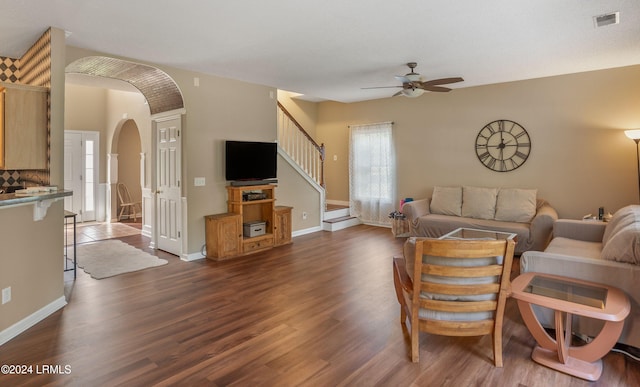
(304, 216)
(6, 295)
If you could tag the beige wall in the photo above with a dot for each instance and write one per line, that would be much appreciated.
(580, 158)
(129, 159)
(305, 112)
(575, 123)
(98, 109)
(31, 261)
(294, 191)
(218, 109)
(110, 112)
(85, 110)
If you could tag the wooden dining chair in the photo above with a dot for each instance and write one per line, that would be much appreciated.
(454, 288)
(126, 203)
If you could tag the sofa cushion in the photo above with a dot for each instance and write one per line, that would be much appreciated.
(446, 201)
(435, 226)
(622, 218)
(479, 203)
(624, 245)
(516, 205)
(579, 248)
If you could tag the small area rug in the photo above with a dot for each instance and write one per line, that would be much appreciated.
(112, 257)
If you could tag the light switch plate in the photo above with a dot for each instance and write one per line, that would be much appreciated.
(6, 295)
(199, 181)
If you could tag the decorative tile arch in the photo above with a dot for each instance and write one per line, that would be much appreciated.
(161, 92)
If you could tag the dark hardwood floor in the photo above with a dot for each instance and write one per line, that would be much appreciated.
(319, 312)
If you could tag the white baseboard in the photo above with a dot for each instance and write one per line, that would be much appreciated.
(306, 231)
(31, 320)
(146, 231)
(192, 257)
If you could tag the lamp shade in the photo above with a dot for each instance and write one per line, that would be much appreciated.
(633, 134)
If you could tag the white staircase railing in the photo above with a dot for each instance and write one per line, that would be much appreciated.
(300, 147)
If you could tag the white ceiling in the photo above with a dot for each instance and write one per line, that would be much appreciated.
(330, 49)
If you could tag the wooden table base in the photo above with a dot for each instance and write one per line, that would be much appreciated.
(572, 366)
(581, 361)
(584, 361)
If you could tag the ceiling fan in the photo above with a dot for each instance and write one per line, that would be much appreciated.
(413, 86)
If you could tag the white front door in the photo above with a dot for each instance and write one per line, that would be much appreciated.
(168, 193)
(81, 173)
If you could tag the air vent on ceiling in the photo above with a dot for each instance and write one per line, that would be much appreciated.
(606, 19)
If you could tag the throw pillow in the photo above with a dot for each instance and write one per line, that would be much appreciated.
(516, 205)
(479, 203)
(624, 246)
(622, 218)
(446, 201)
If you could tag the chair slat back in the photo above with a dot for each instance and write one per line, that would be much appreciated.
(454, 288)
(123, 194)
(460, 280)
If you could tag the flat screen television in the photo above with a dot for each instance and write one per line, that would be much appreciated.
(250, 161)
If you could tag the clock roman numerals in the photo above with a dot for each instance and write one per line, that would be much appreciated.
(503, 145)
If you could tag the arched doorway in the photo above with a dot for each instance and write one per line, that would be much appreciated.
(164, 100)
(127, 145)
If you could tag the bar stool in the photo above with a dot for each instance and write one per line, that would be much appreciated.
(68, 216)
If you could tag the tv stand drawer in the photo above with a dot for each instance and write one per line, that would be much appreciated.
(257, 244)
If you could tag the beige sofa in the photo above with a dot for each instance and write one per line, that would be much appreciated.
(512, 210)
(607, 253)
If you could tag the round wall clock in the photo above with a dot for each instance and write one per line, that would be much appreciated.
(503, 145)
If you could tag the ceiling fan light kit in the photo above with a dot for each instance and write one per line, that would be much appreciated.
(411, 93)
(413, 86)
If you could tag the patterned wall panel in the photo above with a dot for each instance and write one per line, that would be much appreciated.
(9, 70)
(35, 64)
(34, 68)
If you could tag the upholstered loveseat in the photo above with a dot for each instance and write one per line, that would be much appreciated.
(607, 253)
(512, 210)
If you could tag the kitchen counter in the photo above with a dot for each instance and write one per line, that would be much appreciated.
(13, 199)
(40, 200)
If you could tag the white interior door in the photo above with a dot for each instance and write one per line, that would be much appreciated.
(168, 167)
(81, 173)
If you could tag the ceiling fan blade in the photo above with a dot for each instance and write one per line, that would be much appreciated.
(380, 87)
(398, 93)
(441, 81)
(436, 88)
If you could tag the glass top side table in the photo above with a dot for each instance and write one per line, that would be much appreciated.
(568, 297)
(465, 233)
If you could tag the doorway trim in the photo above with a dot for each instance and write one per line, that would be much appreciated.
(97, 212)
(181, 235)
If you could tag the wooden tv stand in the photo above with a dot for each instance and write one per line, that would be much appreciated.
(225, 237)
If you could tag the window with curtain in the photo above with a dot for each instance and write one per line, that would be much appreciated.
(372, 173)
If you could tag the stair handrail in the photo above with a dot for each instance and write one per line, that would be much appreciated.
(319, 147)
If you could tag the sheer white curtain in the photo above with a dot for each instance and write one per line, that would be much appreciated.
(372, 173)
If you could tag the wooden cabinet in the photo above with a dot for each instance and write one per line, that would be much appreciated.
(23, 112)
(254, 204)
(225, 238)
(282, 225)
(223, 235)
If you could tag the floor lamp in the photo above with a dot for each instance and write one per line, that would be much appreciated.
(634, 134)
